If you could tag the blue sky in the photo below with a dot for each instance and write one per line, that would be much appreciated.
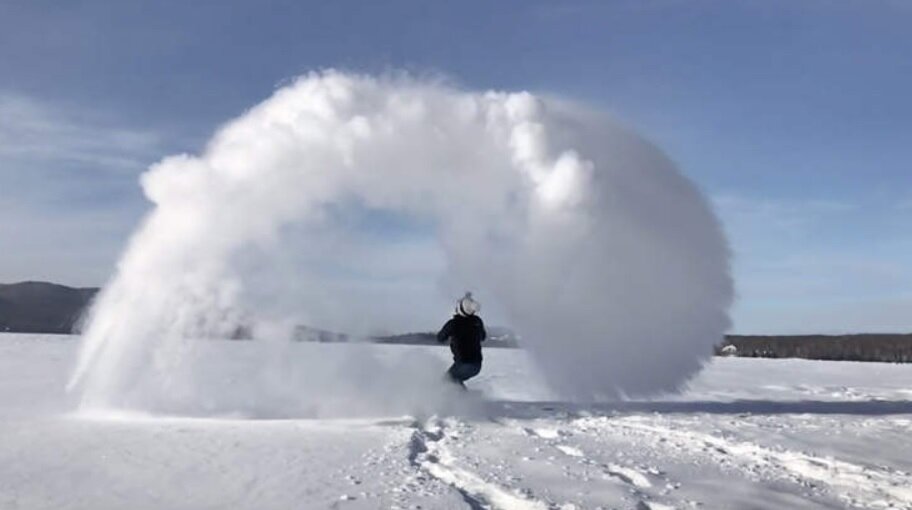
(795, 118)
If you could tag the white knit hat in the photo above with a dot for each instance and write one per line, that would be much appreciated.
(467, 305)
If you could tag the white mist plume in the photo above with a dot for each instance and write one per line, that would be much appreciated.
(606, 261)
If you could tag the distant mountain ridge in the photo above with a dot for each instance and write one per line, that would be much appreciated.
(42, 307)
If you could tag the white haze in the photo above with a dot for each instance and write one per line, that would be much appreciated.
(607, 262)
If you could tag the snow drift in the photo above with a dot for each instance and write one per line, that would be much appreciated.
(607, 262)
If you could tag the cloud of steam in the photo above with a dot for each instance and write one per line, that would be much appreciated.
(607, 262)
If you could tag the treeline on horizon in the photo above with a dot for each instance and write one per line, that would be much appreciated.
(884, 347)
(42, 307)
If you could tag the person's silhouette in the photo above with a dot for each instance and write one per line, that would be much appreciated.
(465, 332)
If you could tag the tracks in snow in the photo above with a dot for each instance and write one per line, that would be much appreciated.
(637, 461)
(639, 485)
(563, 470)
(429, 451)
(857, 485)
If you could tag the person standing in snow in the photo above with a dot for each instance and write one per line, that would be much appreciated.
(465, 332)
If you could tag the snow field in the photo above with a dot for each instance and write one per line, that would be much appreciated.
(748, 434)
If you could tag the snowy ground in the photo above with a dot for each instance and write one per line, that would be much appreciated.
(748, 434)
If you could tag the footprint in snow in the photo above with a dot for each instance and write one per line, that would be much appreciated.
(649, 505)
(570, 450)
(543, 433)
(628, 475)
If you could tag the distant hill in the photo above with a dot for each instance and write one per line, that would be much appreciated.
(41, 307)
(497, 337)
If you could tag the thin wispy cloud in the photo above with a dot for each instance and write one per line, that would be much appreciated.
(33, 132)
(788, 217)
(69, 194)
(798, 269)
(783, 207)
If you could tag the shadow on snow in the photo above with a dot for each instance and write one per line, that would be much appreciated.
(532, 409)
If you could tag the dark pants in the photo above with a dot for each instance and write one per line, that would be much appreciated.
(463, 371)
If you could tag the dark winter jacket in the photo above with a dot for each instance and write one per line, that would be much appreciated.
(465, 334)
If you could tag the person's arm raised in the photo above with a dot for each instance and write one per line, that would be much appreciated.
(444, 334)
